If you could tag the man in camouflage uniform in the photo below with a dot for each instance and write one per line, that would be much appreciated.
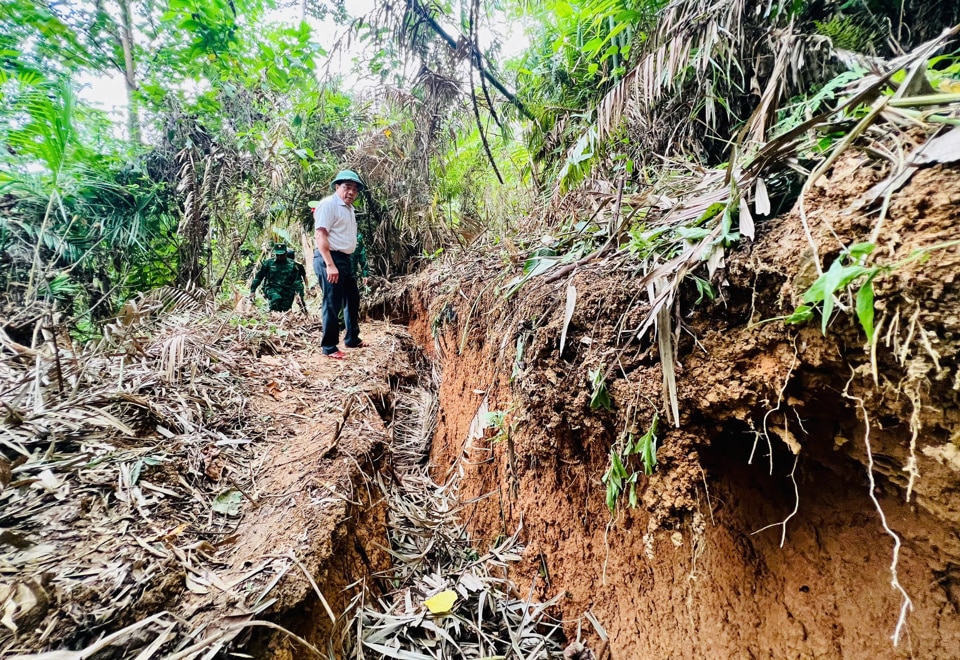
(281, 281)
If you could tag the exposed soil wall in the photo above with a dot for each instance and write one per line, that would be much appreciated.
(698, 568)
(354, 557)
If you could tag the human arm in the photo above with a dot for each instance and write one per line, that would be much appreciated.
(261, 274)
(322, 239)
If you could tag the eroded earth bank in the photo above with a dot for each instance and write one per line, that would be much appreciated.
(759, 533)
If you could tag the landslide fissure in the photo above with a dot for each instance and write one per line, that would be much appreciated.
(738, 543)
(404, 541)
(758, 533)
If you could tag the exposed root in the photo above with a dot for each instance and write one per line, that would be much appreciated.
(698, 542)
(788, 439)
(707, 493)
(913, 393)
(765, 433)
(756, 439)
(906, 604)
(796, 506)
(917, 368)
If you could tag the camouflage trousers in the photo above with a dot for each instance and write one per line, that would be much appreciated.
(279, 302)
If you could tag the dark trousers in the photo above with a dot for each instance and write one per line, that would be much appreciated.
(344, 295)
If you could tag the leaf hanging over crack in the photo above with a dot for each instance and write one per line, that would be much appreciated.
(941, 149)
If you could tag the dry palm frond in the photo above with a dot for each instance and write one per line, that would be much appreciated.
(116, 432)
(725, 188)
(705, 60)
(432, 554)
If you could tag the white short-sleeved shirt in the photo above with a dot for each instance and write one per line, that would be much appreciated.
(340, 221)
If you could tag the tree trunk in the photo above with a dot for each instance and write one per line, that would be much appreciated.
(130, 71)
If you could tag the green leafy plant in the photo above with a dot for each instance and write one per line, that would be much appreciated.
(599, 396)
(848, 33)
(619, 477)
(643, 241)
(497, 419)
(646, 446)
(616, 479)
(848, 269)
(704, 289)
(944, 73)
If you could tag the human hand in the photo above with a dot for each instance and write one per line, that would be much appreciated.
(333, 275)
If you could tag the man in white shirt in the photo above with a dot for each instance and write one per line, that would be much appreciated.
(335, 222)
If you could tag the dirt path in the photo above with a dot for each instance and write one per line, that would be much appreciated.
(325, 428)
(191, 489)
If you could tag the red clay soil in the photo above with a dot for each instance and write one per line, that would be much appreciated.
(702, 567)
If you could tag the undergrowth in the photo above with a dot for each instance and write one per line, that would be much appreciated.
(621, 476)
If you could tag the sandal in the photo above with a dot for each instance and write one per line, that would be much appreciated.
(360, 345)
(339, 355)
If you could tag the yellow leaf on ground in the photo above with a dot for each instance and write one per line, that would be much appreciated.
(949, 86)
(442, 603)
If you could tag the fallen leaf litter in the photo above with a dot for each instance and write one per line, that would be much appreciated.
(133, 455)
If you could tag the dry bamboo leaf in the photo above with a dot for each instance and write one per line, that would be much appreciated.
(747, 228)
(568, 315)
(941, 149)
(667, 364)
(761, 198)
(195, 584)
(715, 260)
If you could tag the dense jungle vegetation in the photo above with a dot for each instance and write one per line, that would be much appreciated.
(236, 120)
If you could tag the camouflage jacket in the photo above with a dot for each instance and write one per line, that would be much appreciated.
(280, 280)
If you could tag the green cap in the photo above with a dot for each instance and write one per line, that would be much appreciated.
(279, 248)
(347, 175)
